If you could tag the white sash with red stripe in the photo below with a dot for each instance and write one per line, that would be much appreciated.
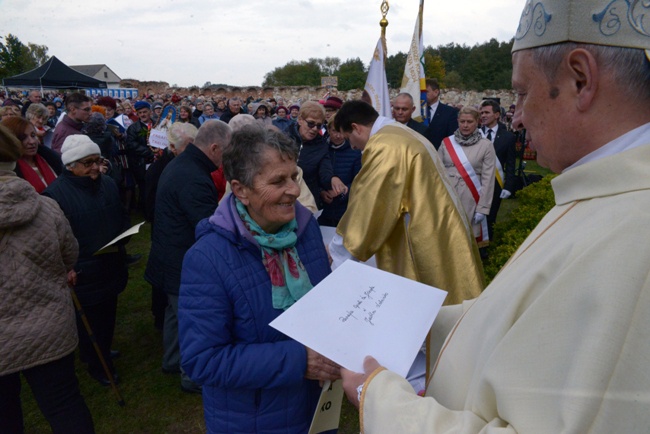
(470, 177)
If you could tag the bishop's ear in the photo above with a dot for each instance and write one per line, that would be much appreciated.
(584, 73)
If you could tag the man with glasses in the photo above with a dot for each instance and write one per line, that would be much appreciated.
(77, 107)
(91, 203)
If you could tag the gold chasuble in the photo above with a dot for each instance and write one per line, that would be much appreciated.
(403, 210)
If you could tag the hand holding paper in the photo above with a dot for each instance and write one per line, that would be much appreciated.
(352, 380)
(359, 310)
(321, 368)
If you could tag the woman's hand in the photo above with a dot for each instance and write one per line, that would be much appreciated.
(327, 196)
(72, 278)
(104, 166)
(338, 187)
(320, 367)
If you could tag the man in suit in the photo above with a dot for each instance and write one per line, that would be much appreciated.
(403, 108)
(443, 119)
(504, 146)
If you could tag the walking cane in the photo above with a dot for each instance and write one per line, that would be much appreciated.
(93, 339)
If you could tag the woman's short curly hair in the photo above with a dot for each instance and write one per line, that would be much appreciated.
(244, 155)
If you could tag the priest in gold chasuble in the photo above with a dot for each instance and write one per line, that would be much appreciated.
(403, 210)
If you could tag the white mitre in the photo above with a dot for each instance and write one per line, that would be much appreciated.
(616, 23)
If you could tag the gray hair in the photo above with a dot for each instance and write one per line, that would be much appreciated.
(629, 66)
(240, 121)
(213, 131)
(36, 111)
(181, 134)
(244, 156)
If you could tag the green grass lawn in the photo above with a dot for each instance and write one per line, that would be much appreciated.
(154, 401)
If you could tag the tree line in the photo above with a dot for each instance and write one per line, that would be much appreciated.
(480, 67)
(16, 57)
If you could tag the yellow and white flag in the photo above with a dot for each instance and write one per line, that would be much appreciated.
(377, 84)
(413, 81)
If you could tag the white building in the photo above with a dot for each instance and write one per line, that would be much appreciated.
(100, 72)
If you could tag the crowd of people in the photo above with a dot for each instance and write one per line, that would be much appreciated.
(237, 201)
(93, 157)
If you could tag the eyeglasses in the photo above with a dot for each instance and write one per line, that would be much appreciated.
(89, 163)
(311, 125)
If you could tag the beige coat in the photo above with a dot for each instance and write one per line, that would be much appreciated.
(483, 159)
(559, 342)
(37, 248)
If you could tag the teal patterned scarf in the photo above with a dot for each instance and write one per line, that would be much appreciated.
(289, 279)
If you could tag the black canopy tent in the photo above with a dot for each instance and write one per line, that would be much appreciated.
(53, 74)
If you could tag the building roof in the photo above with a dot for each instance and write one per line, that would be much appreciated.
(90, 70)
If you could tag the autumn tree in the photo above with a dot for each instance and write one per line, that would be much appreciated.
(434, 67)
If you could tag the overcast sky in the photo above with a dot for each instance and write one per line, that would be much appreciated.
(236, 42)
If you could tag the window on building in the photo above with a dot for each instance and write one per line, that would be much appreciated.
(105, 74)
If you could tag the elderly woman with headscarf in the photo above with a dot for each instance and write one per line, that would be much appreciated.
(470, 162)
(262, 113)
(256, 256)
(281, 120)
(37, 320)
(91, 203)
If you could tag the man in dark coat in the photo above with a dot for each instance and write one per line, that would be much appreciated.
(180, 135)
(443, 119)
(504, 145)
(185, 196)
(138, 153)
(403, 108)
(234, 108)
(33, 98)
(91, 203)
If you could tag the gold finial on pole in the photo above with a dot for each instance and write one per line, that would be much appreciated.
(384, 23)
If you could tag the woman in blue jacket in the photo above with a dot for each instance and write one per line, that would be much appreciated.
(256, 256)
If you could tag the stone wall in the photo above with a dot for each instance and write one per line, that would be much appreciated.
(305, 93)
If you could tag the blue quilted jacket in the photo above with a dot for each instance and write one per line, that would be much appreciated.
(252, 375)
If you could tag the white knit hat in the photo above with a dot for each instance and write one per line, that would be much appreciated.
(614, 23)
(76, 147)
